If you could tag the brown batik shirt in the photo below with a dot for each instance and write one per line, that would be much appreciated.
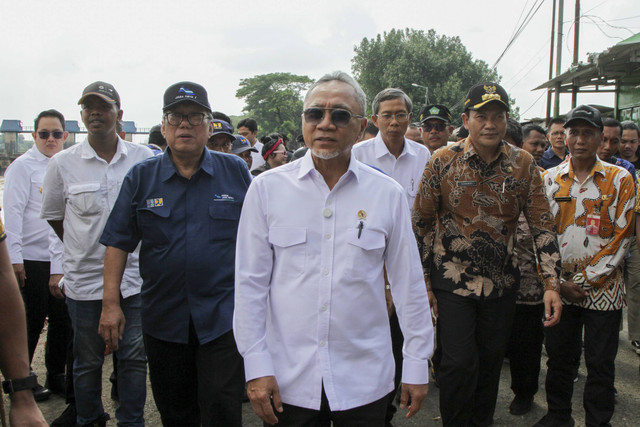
(466, 215)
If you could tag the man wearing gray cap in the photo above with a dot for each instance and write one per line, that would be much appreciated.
(592, 202)
(242, 148)
(80, 187)
(183, 207)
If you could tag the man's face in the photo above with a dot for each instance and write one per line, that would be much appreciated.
(251, 136)
(629, 144)
(535, 144)
(186, 138)
(49, 145)
(556, 136)
(219, 142)
(414, 134)
(583, 141)
(487, 126)
(392, 128)
(435, 133)
(325, 139)
(246, 156)
(610, 142)
(100, 117)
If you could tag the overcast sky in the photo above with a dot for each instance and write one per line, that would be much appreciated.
(51, 50)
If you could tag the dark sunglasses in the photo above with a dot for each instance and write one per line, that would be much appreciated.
(44, 134)
(438, 127)
(339, 117)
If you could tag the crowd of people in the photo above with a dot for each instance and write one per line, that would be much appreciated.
(319, 283)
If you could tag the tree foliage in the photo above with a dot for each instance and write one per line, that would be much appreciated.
(275, 101)
(402, 57)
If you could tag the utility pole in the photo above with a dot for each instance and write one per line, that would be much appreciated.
(556, 107)
(576, 46)
(553, 31)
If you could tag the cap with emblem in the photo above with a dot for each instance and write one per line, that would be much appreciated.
(222, 127)
(435, 111)
(186, 92)
(484, 93)
(585, 113)
(241, 144)
(104, 90)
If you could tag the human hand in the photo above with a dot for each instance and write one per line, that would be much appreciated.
(54, 288)
(417, 393)
(552, 308)
(112, 323)
(261, 391)
(24, 410)
(18, 269)
(572, 292)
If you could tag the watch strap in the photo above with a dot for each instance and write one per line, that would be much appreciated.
(18, 384)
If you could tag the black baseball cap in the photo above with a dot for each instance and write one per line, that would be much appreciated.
(585, 113)
(104, 90)
(156, 129)
(186, 92)
(435, 111)
(484, 93)
(240, 144)
(222, 127)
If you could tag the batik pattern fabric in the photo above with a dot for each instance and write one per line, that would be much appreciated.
(594, 221)
(466, 215)
(531, 288)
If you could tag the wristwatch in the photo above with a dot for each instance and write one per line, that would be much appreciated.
(11, 386)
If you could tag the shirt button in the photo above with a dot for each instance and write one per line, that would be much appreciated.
(327, 236)
(323, 308)
(321, 343)
(325, 272)
(327, 212)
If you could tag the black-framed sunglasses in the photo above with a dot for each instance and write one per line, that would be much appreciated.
(437, 126)
(44, 134)
(194, 119)
(339, 116)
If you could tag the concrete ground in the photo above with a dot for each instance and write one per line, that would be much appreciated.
(627, 408)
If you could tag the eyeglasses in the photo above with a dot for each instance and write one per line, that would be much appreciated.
(284, 153)
(400, 117)
(439, 127)
(557, 133)
(339, 117)
(57, 134)
(194, 119)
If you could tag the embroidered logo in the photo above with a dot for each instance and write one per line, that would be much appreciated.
(223, 198)
(154, 203)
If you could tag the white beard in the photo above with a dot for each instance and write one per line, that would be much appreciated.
(325, 155)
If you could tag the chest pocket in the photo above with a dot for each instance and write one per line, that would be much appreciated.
(365, 254)
(224, 218)
(86, 199)
(153, 224)
(289, 245)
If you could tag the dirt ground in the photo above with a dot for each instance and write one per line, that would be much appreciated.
(627, 402)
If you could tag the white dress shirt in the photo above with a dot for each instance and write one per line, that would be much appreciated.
(80, 188)
(310, 301)
(28, 236)
(258, 160)
(407, 169)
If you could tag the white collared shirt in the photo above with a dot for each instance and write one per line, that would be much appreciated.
(310, 300)
(258, 160)
(407, 169)
(28, 236)
(80, 189)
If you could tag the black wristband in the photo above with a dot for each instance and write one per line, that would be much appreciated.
(11, 386)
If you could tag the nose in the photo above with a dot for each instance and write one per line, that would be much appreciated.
(326, 121)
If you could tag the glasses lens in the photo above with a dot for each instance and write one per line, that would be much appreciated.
(313, 116)
(58, 134)
(43, 134)
(402, 117)
(340, 118)
(195, 119)
(439, 127)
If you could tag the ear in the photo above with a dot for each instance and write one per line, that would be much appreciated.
(34, 135)
(363, 126)
(64, 138)
(374, 119)
(465, 121)
(210, 129)
(410, 116)
(120, 113)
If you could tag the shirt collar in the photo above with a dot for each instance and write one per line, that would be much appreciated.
(381, 148)
(168, 169)
(306, 166)
(87, 151)
(598, 167)
(470, 151)
(37, 155)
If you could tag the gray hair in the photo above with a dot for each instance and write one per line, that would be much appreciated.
(343, 77)
(388, 94)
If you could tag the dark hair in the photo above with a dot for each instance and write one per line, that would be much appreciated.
(463, 132)
(269, 141)
(155, 137)
(526, 130)
(248, 123)
(514, 130)
(630, 125)
(221, 116)
(371, 128)
(610, 122)
(49, 113)
(555, 121)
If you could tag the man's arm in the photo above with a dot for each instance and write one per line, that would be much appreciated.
(17, 182)
(14, 358)
(112, 319)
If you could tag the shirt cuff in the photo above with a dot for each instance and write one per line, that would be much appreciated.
(552, 284)
(415, 372)
(56, 268)
(258, 365)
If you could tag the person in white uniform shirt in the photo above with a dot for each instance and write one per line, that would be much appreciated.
(81, 185)
(310, 317)
(29, 239)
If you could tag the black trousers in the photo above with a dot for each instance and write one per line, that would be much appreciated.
(474, 336)
(196, 384)
(525, 349)
(563, 344)
(369, 415)
(397, 341)
(39, 303)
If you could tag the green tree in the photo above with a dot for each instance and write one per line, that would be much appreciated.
(402, 57)
(274, 100)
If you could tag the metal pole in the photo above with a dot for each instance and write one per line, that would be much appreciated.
(576, 45)
(553, 31)
(556, 107)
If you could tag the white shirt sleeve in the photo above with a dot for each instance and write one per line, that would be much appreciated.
(16, 196)
(53, 201)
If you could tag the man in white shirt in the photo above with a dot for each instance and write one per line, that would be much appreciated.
(310, 318)
(29, 238)
(80, 188)
(249, 129)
